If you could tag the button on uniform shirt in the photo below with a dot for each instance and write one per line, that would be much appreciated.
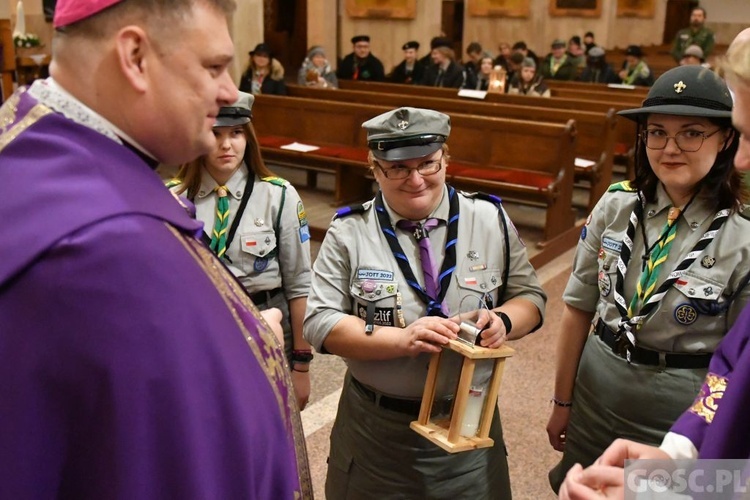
(262, 258)
(355, 251)
(675, 326)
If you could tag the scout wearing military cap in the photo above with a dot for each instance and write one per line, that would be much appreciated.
(255, 222)
(663, 261)
(407, 133)
(400, 264)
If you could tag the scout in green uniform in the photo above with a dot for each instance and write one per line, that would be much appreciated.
(663, 262)
(695, 34)
(257, 224)
(385, 302)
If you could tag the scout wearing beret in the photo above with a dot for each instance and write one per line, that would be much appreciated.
(386, 290)
(360, 64)
(662, 262)
(255, 222)
(408, 71)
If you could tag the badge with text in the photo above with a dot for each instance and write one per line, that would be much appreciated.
(374, 274)
(382, 316)
(610, 244)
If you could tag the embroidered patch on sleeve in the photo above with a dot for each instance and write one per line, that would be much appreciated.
(708, 399)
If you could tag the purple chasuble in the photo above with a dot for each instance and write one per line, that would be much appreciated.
(133, 364)
(718, 422)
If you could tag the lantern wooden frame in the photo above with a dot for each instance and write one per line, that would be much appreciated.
(447, 433)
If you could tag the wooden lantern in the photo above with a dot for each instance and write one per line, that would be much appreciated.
(446, 433)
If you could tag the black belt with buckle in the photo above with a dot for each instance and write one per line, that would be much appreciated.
(260, 298)
(407, 406)
(641, 356)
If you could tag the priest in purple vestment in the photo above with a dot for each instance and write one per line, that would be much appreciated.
(717, 424)
(133, 365)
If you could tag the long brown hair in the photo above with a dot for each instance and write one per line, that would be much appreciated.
(190, 174)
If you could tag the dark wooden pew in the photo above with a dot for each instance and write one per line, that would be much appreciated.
(625, 130)
(595, 140)
(599, 87)
(520, 160)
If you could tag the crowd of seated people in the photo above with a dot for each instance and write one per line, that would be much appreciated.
(578, 59)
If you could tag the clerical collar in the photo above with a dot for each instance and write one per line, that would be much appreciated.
(55, 97)
(441, 212)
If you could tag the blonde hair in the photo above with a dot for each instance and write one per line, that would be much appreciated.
(736, 63)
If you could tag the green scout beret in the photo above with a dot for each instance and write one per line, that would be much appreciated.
(685, 91)
(407, 133)
(239, 113)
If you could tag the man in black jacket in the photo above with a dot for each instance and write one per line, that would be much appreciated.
(408, 71)
(361, 64)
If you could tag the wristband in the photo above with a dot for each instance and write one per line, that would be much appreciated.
(506, 321)
(561, 403)
(302, 356)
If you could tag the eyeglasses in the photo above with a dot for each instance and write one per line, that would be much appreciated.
(424, 169)
(689, 141)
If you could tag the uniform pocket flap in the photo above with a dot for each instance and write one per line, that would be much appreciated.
(480, 281)
(258, 243)
(699, 287)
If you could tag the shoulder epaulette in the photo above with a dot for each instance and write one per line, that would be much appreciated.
(621, 186)
(495, 200)
(351, 210)
(278, 181)
(173, 183)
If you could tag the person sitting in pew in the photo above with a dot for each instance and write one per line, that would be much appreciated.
(693, 56)
(575, 52)
(481, 81)
(444, 71)
(597, 69)
(588, 41)
(558, 65)
(264, 74)
(504, 57)
(315, 70)
(361, 64)
(634, 70)
(408, 71)
(521, 47)
(528, 82)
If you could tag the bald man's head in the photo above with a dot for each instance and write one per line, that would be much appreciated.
(737, 61)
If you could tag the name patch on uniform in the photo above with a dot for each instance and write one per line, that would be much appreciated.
(611, 244)
(304, 233)
(383, 315)
(374, 274)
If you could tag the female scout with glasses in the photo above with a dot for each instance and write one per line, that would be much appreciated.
(387, 287)
(256, 223)
(662, 262)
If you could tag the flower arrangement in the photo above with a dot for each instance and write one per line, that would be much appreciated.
(26, 40)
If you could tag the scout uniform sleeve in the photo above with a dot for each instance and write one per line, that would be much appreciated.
(329, 300)
(582, 290)
(294, 247)
(522, 279)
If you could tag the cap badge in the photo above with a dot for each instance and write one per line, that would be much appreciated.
(402, 124)
(679, 87)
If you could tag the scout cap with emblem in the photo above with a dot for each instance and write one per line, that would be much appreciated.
(407, 133)
(685, 91)
(239, 113)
